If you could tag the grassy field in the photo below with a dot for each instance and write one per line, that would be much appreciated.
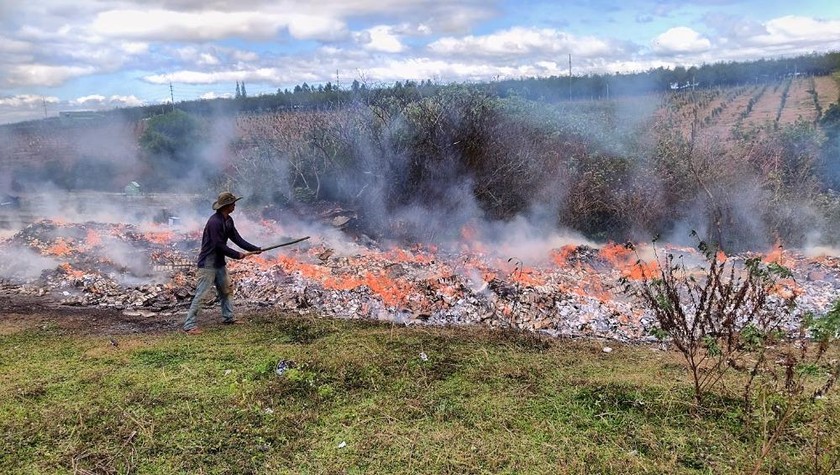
(370, 398)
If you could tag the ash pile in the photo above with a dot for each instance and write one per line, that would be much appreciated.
(576, 290)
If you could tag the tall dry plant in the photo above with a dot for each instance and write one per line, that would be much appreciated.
(714, 314)
(724, 315)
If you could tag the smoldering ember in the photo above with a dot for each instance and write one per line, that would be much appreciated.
(563, 288)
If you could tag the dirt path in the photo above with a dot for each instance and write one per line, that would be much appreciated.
(19, 312)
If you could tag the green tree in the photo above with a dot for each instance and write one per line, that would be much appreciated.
(172, 143)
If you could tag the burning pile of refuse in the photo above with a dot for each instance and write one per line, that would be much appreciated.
(574, 290)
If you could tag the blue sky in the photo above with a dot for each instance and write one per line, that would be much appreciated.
(62, 55)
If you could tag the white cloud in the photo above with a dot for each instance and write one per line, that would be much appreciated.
(34, 33)
(311, 27)
(87, 100)
(452, 17)
(43, 74)
(680, 40)
(214, 95)
(27, 100)
(168, 25)
(520, 41)
(126, 101)
(134, 47)
(98, 100)
(207, 59)
(258, 75)
(209, 55)
(12, 46)
(380, 38)
(424, 68)
(797, 29)
(244, 56)
(187, 53)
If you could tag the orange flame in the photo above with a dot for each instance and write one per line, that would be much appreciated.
(616, 254)
(160, 237)
(561, 256)
(787, 289)
(627, 262)
(470, 239)
(402, 255)
(60, 248)
(70, 271)
(393, 292)
(92, 239)
(777, 256)
(527, 276)
(309, 271)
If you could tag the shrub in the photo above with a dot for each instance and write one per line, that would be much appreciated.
(716, 316)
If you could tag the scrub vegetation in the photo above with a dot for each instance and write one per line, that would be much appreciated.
(622, 169)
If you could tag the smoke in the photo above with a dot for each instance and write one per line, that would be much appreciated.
(130, 264)
(527, 240)
(520, 177)
(24, 264)
(96, 155)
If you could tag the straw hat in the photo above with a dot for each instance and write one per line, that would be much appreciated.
(225, 198)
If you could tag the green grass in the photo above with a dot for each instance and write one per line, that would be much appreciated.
(483, 402)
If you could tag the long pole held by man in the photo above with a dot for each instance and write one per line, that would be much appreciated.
(212, 270)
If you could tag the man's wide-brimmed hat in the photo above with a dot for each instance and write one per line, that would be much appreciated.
(225, 198)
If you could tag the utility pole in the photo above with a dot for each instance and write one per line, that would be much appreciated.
(171, 96)
(45, 107)
(570, 78)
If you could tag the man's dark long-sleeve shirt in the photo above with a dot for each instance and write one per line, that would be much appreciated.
(214, 246)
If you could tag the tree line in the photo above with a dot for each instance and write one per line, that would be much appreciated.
(552, 89)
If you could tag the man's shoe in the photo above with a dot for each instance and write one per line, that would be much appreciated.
(193, 331)
(233, 322)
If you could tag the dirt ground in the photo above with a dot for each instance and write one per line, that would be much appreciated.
(21, 312)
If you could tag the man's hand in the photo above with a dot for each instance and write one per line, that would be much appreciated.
(248, 253)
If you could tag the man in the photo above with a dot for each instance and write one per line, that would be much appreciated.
(211, 260)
